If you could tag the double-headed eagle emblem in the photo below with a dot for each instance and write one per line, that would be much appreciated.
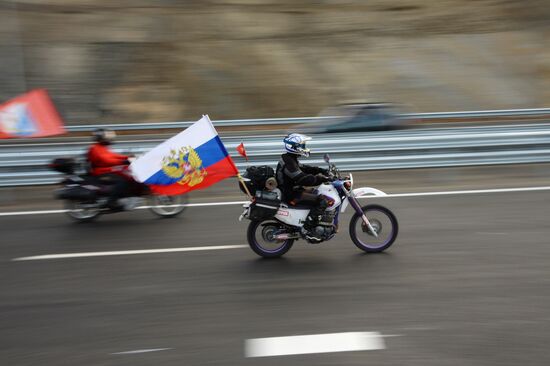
(185, 165)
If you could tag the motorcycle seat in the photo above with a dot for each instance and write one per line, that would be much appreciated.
(298, 205)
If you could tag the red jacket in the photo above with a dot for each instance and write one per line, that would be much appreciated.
(103, 160)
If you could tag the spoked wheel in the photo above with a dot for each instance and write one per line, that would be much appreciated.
(261, 238)
(383, 222)
(81, 211)
(168, 206)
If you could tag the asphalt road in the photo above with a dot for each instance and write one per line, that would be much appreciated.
(466, 283)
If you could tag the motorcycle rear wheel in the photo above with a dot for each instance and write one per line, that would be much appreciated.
(78, 212)
(263, 244)
(168, 206)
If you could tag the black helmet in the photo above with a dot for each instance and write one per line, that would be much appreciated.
(104, 136)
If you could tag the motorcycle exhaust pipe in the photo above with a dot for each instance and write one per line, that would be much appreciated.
(286, 236)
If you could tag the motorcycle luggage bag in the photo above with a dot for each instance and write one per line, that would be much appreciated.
(256, 178)
(63, 165)
(264, 206)
(75, 193)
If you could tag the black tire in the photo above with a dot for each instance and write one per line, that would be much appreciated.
(77, 213)
(162, 205)
(361, 244)
(279, 251)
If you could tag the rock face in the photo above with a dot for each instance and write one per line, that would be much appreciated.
(137, 60)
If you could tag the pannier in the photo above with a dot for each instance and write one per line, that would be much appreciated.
(258, 178)
(63, 165)
(75, 192)
(264, 206)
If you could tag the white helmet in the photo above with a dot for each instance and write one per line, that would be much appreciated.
(295, 143)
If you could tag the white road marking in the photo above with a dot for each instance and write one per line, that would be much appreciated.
(200, 204)
(141, 351)
(416, 194)
(473, 191)
(315, 343)
(126, 252)
(46, 212)
(19, 213)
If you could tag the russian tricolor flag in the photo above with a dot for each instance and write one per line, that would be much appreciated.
(30, 115)
(193, 159)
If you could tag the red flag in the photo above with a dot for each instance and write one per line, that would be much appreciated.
(241, 150)
(30, 115)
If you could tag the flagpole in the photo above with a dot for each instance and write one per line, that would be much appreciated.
(245, 155)
(242, 151)
(240, 178)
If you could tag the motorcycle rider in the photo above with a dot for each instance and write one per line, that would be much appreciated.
(293, 177)
(108, 166)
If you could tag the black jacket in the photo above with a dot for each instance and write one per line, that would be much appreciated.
(292, 176)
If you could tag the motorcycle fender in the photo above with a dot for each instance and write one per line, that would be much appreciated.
(362, 192)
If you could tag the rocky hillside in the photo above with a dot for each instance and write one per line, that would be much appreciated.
(138, 60)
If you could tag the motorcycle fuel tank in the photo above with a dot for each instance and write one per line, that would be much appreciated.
(331, 192)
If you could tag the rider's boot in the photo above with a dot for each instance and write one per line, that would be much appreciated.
(317, 212)
(310, 236)
(313, 220)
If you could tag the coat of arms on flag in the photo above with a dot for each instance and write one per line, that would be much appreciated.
(193, 159)
(185, 165)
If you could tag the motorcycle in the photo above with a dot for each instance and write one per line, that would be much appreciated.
(275, 225)
(86, 196)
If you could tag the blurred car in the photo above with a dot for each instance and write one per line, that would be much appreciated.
(353, 117)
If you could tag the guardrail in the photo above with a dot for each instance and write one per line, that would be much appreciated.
(538, 112)
(26, 164)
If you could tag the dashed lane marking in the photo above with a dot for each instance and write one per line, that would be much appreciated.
(141, 351)
(314, 343)
(126, 252)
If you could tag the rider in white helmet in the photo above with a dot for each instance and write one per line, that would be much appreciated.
(293, 177)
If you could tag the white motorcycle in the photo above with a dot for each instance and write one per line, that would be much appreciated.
(276, 225)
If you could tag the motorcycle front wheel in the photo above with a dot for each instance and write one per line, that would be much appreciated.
(261, 239)
(168, 206)
(81, 212)
(384, 223)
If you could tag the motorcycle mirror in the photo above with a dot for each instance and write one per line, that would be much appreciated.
(326, 157)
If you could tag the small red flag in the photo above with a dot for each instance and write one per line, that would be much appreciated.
(241, 150)
(30, 115)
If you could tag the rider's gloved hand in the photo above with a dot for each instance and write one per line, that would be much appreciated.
(322, 178)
